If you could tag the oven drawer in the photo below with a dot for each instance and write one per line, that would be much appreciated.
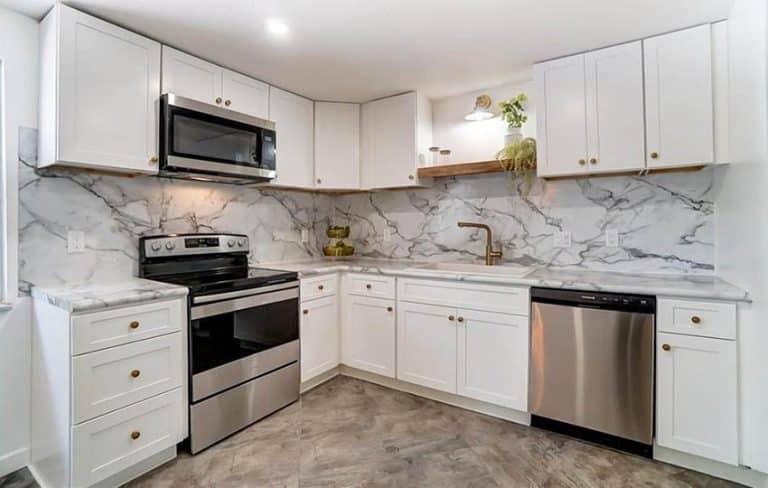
(106, 380)
(111, 443)
(319, 286)
(370, 285)
(707, 319)
(108, 328)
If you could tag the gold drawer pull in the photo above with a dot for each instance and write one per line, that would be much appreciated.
(666, 347)
(696, 319)
(135, 373)
(320, 287)
(368, 286)
(460, 319)
(134, 325)
(451, 318)
(389, 309)
(135, 434)
(305, 311)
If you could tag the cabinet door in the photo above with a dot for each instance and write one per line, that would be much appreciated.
(678, 98)
(319, 337)
(697, 396)
(109, 84)
(191, 77)
(337, 145)
(561, 117)
(245, 94)
(390, 156)
(426, 345)
(493, 358)
(368, 334)
(615, 119)
(294, 119)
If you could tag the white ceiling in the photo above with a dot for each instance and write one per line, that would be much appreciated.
(357, 50)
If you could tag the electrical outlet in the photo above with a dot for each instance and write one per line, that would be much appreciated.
(75, 241)
(304, 236)
(611, 238)
(386, 235)
(562, 238)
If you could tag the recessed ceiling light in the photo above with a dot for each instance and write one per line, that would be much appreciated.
(277, 27)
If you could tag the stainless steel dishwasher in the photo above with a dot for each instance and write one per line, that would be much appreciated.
(592, 366)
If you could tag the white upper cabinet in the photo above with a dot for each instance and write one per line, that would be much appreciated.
(294, 120)
(245, 94)
(337, 145)
(98, 94)
(678, 98)
(562, 117)
(191, 77)
(397, 133)
(614, 95)
(592, 112)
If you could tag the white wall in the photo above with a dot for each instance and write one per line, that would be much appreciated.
(478, 141)
(741, 236)
(18, 52)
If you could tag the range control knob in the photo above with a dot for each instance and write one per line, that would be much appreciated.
(170, 245)
(156, 245)
(231, 243)
(241, 242)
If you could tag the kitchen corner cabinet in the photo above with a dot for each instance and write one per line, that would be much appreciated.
(337, 146)
(679, 98)
(99, 88)
(319, 325)
(591, 115)
(191, 77)
(294, 122)
(396, 135)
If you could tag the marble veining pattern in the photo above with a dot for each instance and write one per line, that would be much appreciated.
(350, 433)
(675, 285)
(665, 221)
(87, 297)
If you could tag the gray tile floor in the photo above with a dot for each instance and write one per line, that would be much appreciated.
(349, 433)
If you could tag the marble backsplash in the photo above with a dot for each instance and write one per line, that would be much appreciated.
(665, 222)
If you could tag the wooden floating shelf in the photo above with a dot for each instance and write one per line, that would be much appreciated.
(462, 169)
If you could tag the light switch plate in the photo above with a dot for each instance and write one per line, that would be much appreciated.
(75, 241)
(611, 238)
(304, 236)
(386, 234)
(562, 238)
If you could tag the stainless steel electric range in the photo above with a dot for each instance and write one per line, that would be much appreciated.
(243, 330)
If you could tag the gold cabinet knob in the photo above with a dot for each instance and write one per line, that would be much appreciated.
(666, 347)
(582, 162)
(154, 159)
(368, 286)
(389, 309)
(319, 181)
(135, 373)
(305, 311)
(460, 319)
(135, 434)
(228, 103)
(218, 100)
(411, 177)
(134, 325)
(451, 318)
(320, 287)
(593, 161)
(654, 155)
(696, 319)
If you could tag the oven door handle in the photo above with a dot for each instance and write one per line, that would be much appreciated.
(228, 306)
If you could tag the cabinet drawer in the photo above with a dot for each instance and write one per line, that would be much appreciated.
(370, 285)
(490, 298)
(111, 443)
(319, 286)
(106, 380)
(99, 330)
(708, 319)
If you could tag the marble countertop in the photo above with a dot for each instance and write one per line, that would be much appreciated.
(94, 296)
(684, 286)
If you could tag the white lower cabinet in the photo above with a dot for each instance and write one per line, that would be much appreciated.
(319, 336)
(368, 334)
(493, 358)
(697, 396)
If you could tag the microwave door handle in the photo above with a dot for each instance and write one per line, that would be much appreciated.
(229, 306)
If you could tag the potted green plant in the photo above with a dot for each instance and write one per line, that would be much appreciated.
(513, 113)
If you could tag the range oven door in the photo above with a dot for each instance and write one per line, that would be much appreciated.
(203, 141)
(238, 336)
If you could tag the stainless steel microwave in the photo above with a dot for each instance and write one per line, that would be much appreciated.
(204, 142)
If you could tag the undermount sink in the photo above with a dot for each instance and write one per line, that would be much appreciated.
(500, 270)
